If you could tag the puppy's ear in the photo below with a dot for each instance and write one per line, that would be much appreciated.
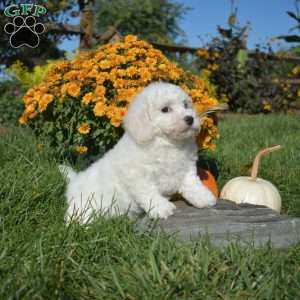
(137, 120)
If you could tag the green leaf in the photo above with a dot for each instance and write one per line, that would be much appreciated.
(59, 136)
(242, 57)
(290, 38)
(48, 127)
(97, 132)
(294, 16)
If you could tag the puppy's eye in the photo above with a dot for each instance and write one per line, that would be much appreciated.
(166, 109)
(185, 104)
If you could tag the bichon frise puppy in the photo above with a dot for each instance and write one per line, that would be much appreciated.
(155, 158)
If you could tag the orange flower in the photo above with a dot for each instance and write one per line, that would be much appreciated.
(121, 72)
(74, 89)
(162, 67)
(199, 107)
(93, 73)
(99, 55)
(120, 59)
(130, 38)
(126, 94)
(30, 109)
(145, 75)
(101, 77)
(30, 92)
(131, 71)
(105, 64)
(81, 149)
(194, 93)
(23, 119)
(100, 91)
(84, 128)
(111, 111)
(174, 74)
(53, 78)
(115, 121)
(116, 115)
(71, 88)
(62, 65)
(28, 99)
(87, 98)
(99, 109)
(71, 75)
(37, 95)
(45, 100)
(120, 83)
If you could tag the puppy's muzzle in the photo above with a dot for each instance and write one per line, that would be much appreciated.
(189, 120)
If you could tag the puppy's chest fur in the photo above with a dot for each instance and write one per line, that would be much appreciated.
(171, 166)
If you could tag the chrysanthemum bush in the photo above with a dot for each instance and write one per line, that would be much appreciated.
(80, 105)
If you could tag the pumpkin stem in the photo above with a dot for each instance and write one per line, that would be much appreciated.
(258, 157)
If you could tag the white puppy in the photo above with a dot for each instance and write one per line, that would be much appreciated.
(155, 158)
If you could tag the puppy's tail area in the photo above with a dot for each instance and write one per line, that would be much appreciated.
(67, 172)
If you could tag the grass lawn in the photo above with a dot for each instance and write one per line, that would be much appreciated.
(42, 258)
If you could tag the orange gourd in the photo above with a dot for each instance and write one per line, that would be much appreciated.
(209, 181)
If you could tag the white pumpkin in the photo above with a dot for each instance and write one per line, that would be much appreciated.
(251, 189)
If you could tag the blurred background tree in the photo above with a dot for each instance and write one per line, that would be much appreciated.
(58, 12)
(153, 20)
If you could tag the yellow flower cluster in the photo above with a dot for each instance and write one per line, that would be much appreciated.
(294, 73)
(295, 70)
(81, 149)
(206, 54)
(84, 128)
(208, 133)
(203, 53)
(210, 57)
(267, 106)
(107, 79)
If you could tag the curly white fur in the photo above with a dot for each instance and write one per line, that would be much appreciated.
(155, 158)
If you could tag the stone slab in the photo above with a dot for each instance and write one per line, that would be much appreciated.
(227, 222)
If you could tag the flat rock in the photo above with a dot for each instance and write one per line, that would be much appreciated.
(227, 222)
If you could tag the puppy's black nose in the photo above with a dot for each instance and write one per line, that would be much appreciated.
(189, 120)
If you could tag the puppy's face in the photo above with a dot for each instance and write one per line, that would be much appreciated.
(173, 115)
(161, 109)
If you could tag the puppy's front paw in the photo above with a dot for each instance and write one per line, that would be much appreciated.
(162, 211)
(207, 200)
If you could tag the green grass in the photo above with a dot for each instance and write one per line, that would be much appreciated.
(242, 137)
(42, 258)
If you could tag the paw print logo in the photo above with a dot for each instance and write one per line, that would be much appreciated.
(24, 32)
